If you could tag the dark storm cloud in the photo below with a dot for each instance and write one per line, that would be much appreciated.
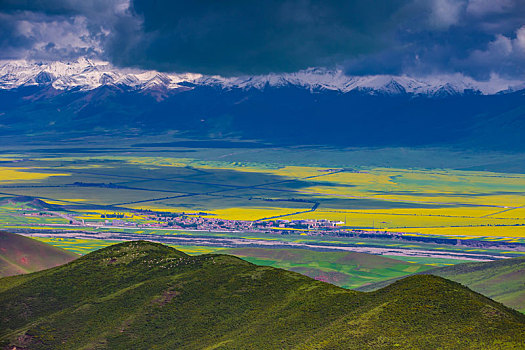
(418, 37)
(239, 36)
(473, 37)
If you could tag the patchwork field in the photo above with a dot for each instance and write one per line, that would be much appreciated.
(444, 202)
(47, 193)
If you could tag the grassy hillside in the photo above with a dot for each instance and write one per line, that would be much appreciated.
(501, 280)
(144, 295)
(19, 254)
(344, 269)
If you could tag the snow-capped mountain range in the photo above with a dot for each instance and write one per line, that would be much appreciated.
(86, 74)
(75, 100)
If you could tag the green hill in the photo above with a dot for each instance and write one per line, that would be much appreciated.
(143, 295)
(29, 202)
(19, 254)
(344, 269)
(501, 280)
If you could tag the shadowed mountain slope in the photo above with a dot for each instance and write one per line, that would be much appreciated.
(144, 295)
(284, 115)
(19, 254)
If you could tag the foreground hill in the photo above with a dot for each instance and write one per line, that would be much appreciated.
(142, 295)
(344, 269)
(501, 280)
(19, 254)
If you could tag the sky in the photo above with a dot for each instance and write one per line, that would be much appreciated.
(477, 38)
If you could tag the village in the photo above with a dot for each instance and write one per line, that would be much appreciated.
(195, 221)
(204, 222)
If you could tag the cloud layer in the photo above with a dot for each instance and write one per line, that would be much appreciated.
(479, 38)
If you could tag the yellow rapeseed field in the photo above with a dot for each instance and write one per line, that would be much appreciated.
(13, 175)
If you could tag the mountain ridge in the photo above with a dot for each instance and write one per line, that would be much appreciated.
(85, 74)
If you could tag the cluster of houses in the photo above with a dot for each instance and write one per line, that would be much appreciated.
(195, 221)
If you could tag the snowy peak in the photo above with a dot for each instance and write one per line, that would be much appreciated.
(86, 74)
(82, 74)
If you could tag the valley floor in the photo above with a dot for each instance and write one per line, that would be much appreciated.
(201, 199)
